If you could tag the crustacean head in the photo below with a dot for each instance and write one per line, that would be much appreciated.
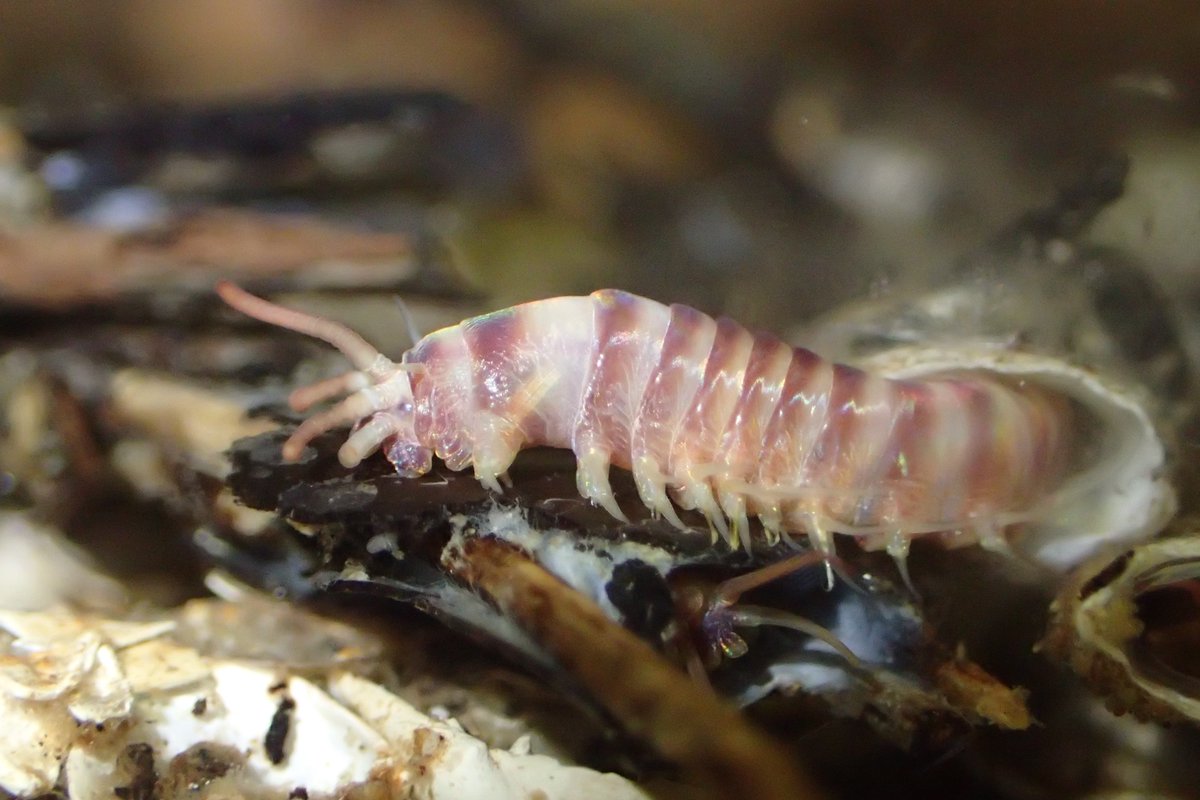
(378, 392)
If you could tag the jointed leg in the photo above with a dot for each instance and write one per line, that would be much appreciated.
(361, 404)
(696, 493)
(306, 397)
(897, 548)
(734, 506)
(652, 488)
(367, 439)
(591, 477)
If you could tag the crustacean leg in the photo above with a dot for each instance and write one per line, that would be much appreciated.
(591, 478)
(362, 404)
(651, 486)
(897, 547)
(305, 397)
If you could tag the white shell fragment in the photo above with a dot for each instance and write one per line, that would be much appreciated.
(58, 672)
(327, 746)
(39, 568)
(440, 761)
(587, 570)
(87, 702)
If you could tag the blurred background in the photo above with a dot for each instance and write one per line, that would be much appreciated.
(765, 158)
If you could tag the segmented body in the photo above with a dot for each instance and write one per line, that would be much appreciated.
(703, 412)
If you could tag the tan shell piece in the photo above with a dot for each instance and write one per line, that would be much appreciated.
(1097, 628)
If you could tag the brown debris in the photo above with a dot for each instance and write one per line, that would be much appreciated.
(276, 741)
(136, 762)
(57, 265)
(967, 686)
(191, 773)
(710, 739)
(181, 417)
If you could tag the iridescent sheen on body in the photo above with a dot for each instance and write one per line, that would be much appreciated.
(710, 416)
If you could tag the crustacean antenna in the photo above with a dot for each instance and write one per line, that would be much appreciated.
(361, 353)
(713, 613)
(410, 322)
(376, 384)
(726, 596)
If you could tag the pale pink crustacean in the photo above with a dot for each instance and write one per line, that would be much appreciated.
(707, 416)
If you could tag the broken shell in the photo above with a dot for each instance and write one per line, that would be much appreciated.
(1081, 322)
(113, 707)
(1131, 628)
(1117, 489)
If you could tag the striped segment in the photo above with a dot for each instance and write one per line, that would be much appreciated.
(735, 423)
